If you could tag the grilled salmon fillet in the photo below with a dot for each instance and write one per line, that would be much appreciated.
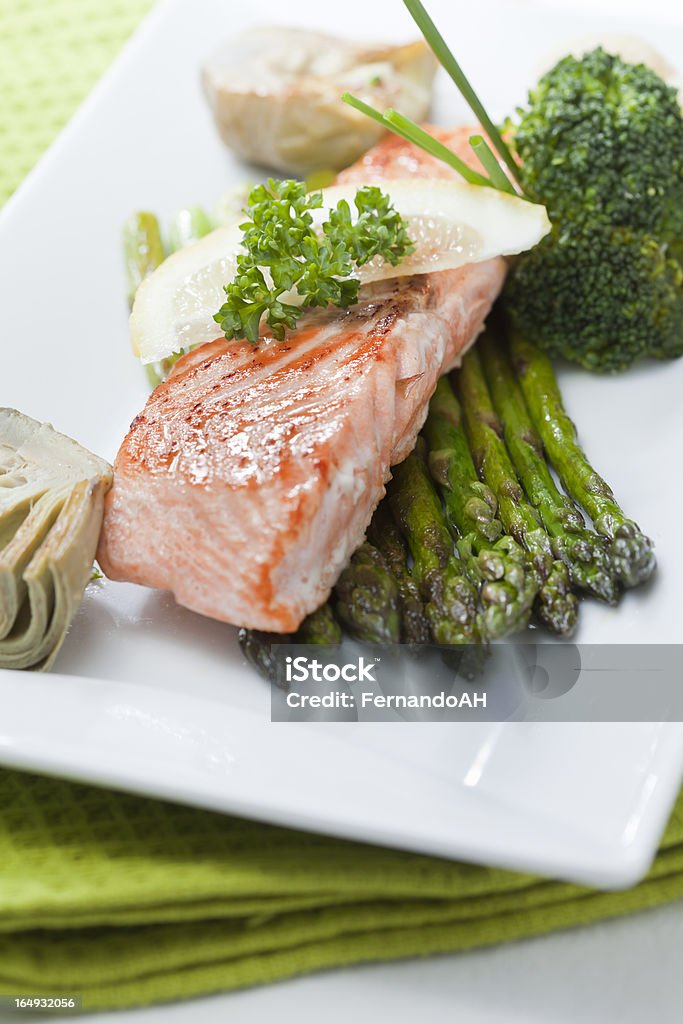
(253, 471)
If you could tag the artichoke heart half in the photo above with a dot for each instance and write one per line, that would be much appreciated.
(51, 503)
(275, 93)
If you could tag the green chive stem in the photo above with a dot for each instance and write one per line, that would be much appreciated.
(411, 132)
(414, 133)
(489, 161)
(438, 45)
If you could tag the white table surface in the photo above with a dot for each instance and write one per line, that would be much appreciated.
(665, 9)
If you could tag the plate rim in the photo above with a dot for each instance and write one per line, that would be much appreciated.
(612, 867)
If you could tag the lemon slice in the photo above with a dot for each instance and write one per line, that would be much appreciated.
(452, 224)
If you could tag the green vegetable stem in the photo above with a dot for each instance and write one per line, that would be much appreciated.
(630, 550)
(556, 606)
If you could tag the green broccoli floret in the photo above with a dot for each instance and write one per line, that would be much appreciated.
(603, 140)
(599, 296)
(601, 145)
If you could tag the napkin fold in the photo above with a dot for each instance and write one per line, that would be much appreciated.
(125, 900)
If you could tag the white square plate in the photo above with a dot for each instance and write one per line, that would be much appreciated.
(152, 698)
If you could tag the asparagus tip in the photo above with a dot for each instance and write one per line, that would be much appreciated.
(556, 605)
(632, 555)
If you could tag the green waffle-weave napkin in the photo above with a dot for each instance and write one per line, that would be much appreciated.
(51, 54)
(128, 901)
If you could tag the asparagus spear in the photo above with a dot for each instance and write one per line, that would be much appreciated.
(630, 550)
(367, 598)
(143, 251)
(320, 627)
(450, 598)
(258, 650)
(556, 606)
(497, 564)
(583, 551)
(386, 537)
(188, 226)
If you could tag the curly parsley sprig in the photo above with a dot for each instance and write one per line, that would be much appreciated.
(283, 251)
